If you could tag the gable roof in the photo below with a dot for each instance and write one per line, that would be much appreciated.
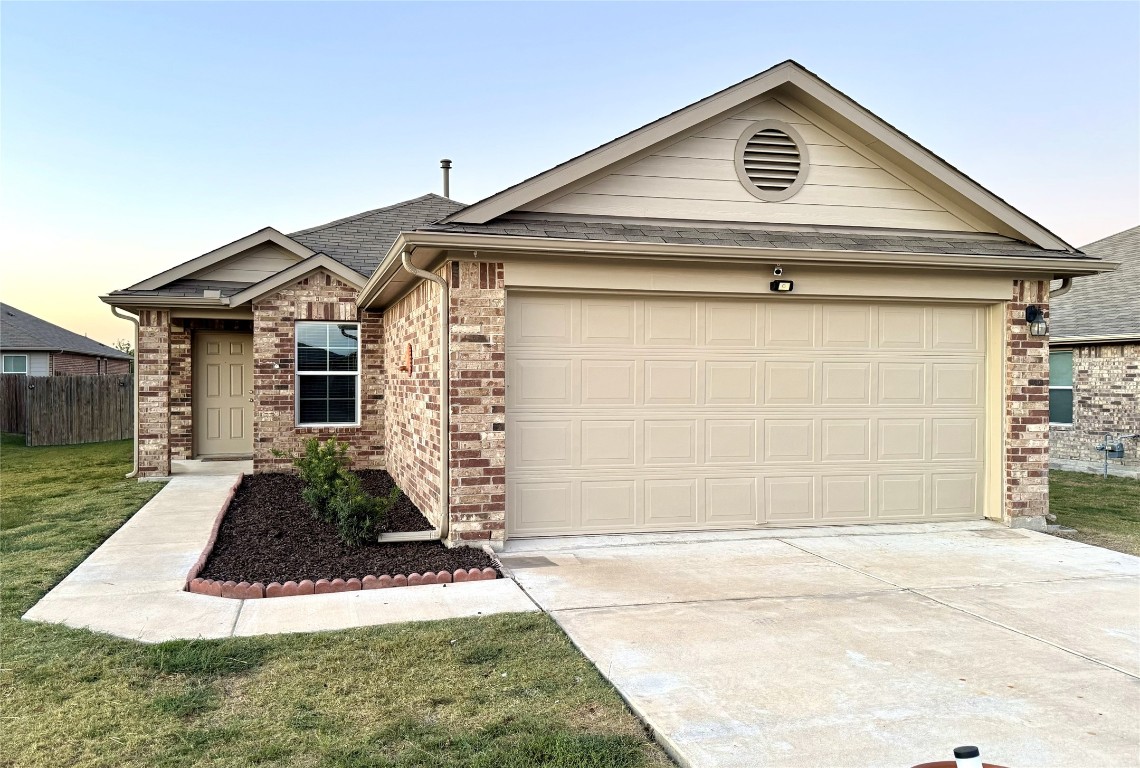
(360, 242)
(190, 268)
(20, 331)
(1104, 305)
(815, 93)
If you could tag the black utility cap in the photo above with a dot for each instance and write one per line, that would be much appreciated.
(964, 752)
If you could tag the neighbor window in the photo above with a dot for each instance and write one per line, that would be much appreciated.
(16, 364)
(1061, 388)
(328, 373)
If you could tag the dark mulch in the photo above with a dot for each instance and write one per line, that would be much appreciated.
(404, 516)
(269, 534)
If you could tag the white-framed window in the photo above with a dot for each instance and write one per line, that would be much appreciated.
(16, 364)
(328, 374)
(1061, 388)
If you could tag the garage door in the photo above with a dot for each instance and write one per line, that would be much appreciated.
(663, 414)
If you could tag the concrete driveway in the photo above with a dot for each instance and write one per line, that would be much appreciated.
(880, 646)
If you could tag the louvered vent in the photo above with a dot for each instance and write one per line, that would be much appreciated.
(772, 160)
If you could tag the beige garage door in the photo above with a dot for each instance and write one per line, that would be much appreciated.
(661, 414)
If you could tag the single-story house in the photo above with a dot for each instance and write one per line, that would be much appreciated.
(768, 308)
(1094, 360)
(35, 347)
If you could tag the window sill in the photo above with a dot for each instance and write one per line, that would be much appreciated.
(1060, 425)
(353, 425)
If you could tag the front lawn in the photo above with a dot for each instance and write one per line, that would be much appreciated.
(496, 692)
(1104, 511)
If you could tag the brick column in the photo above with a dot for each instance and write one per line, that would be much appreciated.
(154, 393)
(1026, 460)
(478, 403)
(181, 403)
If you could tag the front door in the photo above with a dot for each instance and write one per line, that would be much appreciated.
(223, 394)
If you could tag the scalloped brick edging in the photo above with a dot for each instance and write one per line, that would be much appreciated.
(246, 591)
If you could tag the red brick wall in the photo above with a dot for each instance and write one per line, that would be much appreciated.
(154, 393)
(181, 402)
(320, 296)
(1106, 398)
(73, 364)
(478, 403)
(1027, 410)
(412, 395)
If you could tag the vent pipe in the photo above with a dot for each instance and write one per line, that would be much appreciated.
(445, 164)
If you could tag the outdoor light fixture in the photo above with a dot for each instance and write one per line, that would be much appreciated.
(1035, 318)
(781, 286)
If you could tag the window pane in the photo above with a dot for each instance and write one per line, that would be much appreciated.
(312, 335)
(342, 360)
(1061, 406)
(326, 399)
(1061, 369)
(312, 359)
(15, 364)
(344, 336)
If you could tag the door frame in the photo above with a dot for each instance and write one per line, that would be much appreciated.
(196, 394)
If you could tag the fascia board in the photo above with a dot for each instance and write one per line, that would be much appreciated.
(266, 235)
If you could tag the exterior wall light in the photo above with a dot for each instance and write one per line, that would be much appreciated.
(1035, 318)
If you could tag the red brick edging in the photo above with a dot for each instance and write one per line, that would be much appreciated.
(246, 591)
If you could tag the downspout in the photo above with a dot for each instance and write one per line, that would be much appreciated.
(1065, 287)
(444, 384)
(135, 377)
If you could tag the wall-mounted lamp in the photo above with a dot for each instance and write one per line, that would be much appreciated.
(1035, 319)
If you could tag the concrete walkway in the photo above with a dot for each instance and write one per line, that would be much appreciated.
(132, 585)
(886, 645)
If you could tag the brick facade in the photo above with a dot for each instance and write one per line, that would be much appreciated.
(154, 393)
(1026, 423)
(412, 395)
(478, 402)
(319, 296)
(181, 400)
(75, 364)
(1106, 398)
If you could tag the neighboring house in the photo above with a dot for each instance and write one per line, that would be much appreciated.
(35, 347)
(768, 308)
(1094, 374)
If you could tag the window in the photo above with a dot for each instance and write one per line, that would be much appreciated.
(1061, 388)
(16, 364)
(328, 373)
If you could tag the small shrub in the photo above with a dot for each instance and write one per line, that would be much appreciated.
(321, 467)
(357, 514)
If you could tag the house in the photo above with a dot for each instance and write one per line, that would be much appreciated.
(769, 307)
(35, 347)
(1094, 359)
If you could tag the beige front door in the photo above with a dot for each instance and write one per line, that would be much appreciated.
(223, 394)
(627, 413)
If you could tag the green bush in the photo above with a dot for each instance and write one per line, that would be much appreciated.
(357, 514)
(321, 467)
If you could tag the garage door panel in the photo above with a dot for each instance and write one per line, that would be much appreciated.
(628, 414)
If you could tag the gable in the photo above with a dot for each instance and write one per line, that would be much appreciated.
(695, 178)
(916, 189)
(251, 266)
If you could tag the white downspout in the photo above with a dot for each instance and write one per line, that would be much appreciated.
(444, 392)
(1065, 287)
(135, 377)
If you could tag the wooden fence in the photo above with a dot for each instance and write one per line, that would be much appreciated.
(65, 410)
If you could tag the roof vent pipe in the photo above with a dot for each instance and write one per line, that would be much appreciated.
(445, 164)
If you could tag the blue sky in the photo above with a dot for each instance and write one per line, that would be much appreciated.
(136, 135)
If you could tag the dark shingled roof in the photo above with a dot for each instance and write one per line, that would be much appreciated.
(28, 333)
(805, 238)
(1107, 304)
(360, 242)
(187, 288)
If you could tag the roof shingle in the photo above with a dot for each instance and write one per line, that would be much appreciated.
(1107, 304)
(22, 331)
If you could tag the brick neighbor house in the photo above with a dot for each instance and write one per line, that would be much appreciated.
(769, 308)
(35, 347)
(1094, 371)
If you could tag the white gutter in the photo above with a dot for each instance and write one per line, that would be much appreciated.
(135, 322)
(444, 383)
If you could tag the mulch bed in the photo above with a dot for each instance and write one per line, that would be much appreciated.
(270, 534)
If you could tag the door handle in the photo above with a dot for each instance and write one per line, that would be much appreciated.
(251, 399)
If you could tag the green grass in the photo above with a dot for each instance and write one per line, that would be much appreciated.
(496, 692)
(1104, 511)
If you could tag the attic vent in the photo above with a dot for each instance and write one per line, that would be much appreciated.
(771, 160)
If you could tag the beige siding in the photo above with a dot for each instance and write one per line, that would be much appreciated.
(695, 178)
(253, 266)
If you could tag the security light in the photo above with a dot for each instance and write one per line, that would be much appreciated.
(1035, 318)
(781, 286)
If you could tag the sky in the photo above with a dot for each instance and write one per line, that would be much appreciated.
(135, 136)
